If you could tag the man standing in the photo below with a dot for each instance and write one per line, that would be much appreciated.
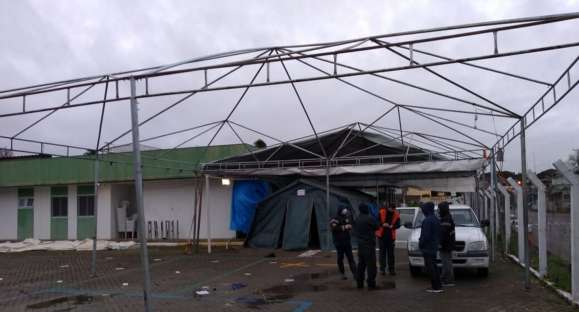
(447, 239)
(428, 244)
(389, 223)
(341, 226)
(365, 227)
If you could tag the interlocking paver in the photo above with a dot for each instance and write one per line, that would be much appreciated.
(245, 280)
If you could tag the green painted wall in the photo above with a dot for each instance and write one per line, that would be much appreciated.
(85, 226)
(59, 228)
(113, 167)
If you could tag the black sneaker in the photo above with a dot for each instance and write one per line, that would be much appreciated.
(434, 291)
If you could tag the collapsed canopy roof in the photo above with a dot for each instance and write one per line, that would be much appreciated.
(355, 157)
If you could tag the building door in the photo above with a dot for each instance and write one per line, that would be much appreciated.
(59, 213)
(25, 214)
(86, 223)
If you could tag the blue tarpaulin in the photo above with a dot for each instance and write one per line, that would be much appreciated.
(246, 195)
(373, 210)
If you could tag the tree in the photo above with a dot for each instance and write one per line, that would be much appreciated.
(5, 153)
(259, 143)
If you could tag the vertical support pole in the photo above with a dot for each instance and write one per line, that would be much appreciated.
(542, 222)
(525, 200)
(507, 221)
(96, 221)
(138, 175)
(495, 39)
(411, 51)
(520, 227)
(328, 209)
(489, 194)
(573, 179)
(476, 197)
(208, 213)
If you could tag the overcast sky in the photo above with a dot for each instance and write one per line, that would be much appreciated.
(45, 41)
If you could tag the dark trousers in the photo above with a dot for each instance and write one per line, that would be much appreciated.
(366, 264)
(386, 245)
(432, 270)
(346, 250)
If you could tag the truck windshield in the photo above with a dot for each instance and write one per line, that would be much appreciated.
(461, 217)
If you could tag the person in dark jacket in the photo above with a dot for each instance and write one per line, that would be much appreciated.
(428, 244)
(364, 228)
(389, 223)
(341, 227)
(447, 239)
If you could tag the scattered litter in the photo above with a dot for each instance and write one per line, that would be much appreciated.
(1, 279)
(289, 280)
(157, 259)
(271, 255)
(214, 261)
(247, 274)
(236, 286)
(59, 282)
(309, 253)
(273, 262)
(202, 292)
(177, 272)
(125, 284)
(64, 266)
(119, 268)
(105, 295)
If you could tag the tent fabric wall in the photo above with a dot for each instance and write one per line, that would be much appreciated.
(245, 196)
(284, 218)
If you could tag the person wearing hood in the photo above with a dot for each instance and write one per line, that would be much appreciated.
(341, 227)
(364, 228)
(428, 244)
(447, 240)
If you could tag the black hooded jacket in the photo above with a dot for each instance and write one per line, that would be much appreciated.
(365, 227)
(341, 226)
(447, 235)
(430, 232)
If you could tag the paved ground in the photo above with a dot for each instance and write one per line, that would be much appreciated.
(246, 280)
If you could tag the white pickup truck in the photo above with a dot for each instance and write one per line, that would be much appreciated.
(471, 248)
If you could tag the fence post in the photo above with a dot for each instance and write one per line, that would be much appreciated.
(507, 197)
(542, 221)
(573, 179)
(520, 226)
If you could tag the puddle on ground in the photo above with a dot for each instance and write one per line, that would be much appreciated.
(304, 283)
(72, 300)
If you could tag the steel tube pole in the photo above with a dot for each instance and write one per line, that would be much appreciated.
(507, 216)
(542, 221)
(138, 175)
(96, 221)
(525, 200)
(328, 239)
(208, 213)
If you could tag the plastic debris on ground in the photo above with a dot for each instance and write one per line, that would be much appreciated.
(119, 269)
(273, 262)
(177, 272)
(157, 259)
(236, 286)
(204, 291)
(125, 284)
(289, 280)
(32, 244)
(59, 282)
(247, 274)
(64, 266)
(1, 279)
(214, 261)
(309, 253)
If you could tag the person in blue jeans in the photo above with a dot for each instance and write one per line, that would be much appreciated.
(428, 244)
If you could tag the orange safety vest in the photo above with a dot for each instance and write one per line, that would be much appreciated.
(395, 218)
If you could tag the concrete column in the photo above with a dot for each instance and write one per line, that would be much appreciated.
(507, 220)
(72, 212)
(573, 179)
(542, 221)
(521, 227)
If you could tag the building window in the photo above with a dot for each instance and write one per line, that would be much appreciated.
(25, 198)
(59, 206)
(86, 206)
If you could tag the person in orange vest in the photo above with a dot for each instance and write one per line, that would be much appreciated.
(389, 223)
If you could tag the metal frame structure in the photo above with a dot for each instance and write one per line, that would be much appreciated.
(327, 61)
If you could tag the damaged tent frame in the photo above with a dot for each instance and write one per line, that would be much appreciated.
(76, 95)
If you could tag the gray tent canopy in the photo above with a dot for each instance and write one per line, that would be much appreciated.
(295, 217)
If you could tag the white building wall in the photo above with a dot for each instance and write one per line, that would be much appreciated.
(72, 212)
(174, 200)
(8, 213)
(42, 212)
(105, 225)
